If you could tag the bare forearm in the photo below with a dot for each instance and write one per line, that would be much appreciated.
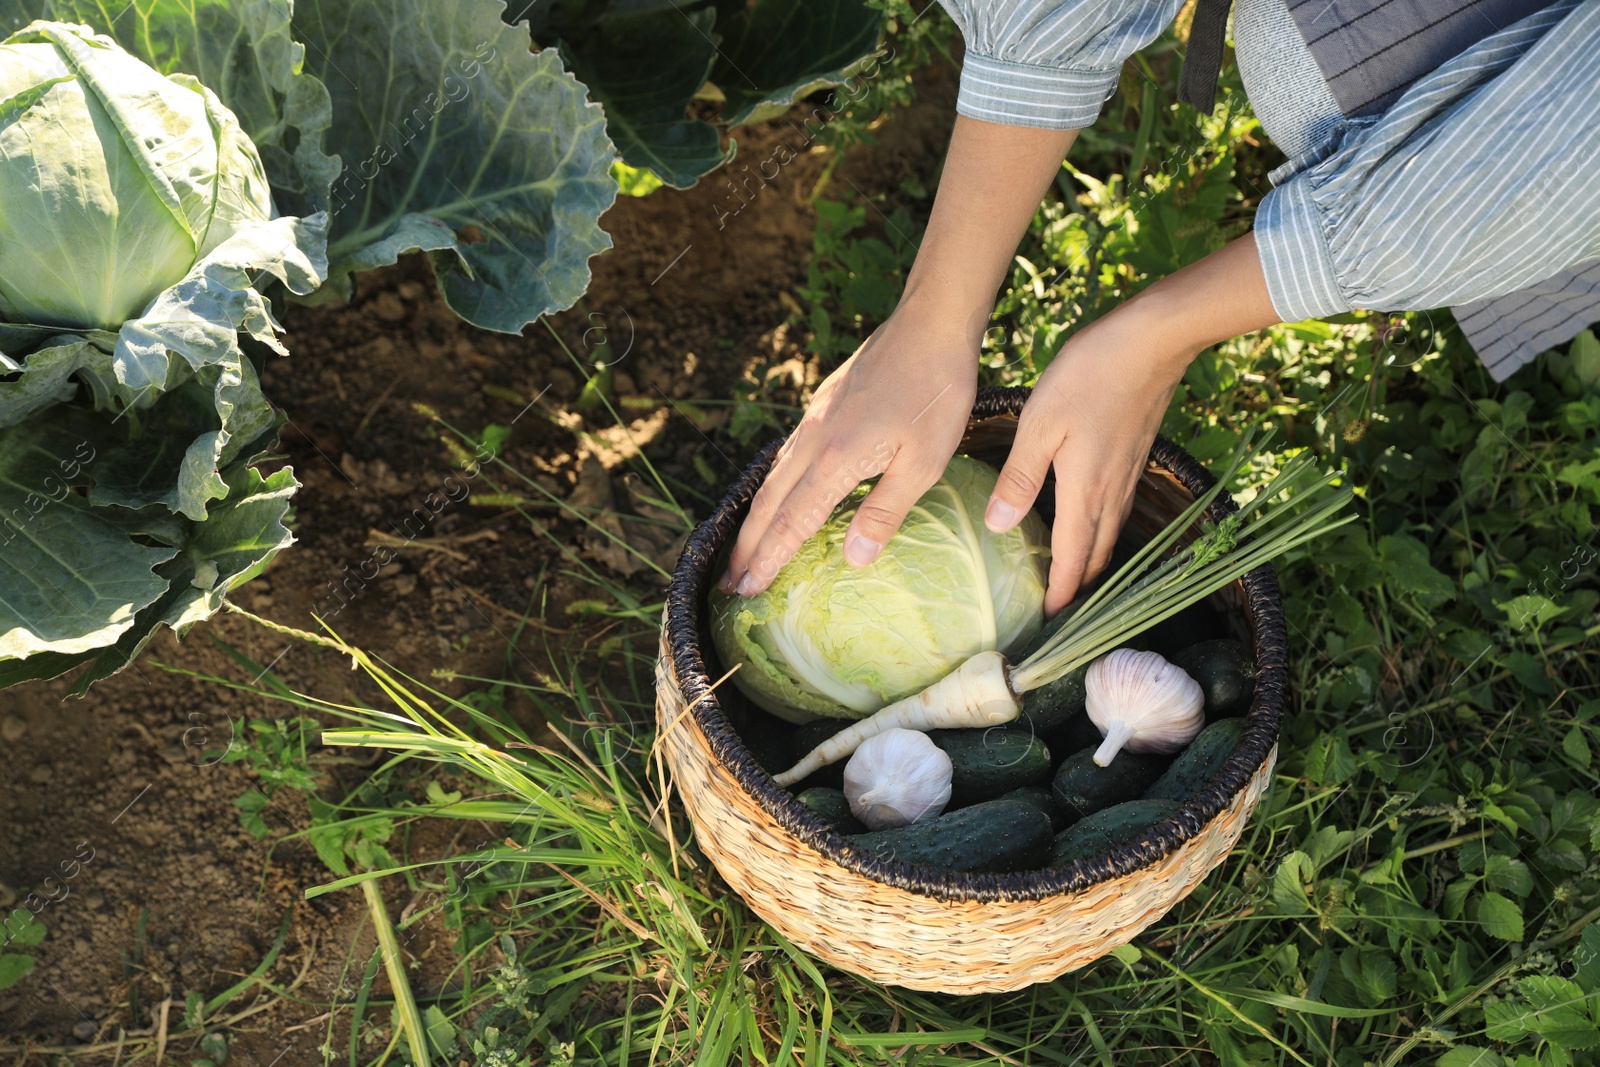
(994, 178)
(1215, 298)
(1099, 403)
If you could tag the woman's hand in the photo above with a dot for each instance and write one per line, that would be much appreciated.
(1092, 416)
(897, 407)
(1097, 407)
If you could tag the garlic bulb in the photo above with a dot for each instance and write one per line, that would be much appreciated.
(897, 778)
(1142, 703)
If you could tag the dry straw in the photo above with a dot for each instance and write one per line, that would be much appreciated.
(917, 927)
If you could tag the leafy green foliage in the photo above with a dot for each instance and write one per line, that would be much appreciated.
(20, 930)
(643, 65)
(911, 45)
(275, 751)
(647, 62)
(855, 278)
(447, 135)
(124, 574)
(458, 141)
(170, 513)
(128, 499)
(1103, 236)
(774, 53)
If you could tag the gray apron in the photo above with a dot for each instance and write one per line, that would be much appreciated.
(1369, 52)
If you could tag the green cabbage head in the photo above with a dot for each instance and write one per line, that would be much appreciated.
(114, 180)
(829, 639)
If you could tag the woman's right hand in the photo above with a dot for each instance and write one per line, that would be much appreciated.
(897, 407)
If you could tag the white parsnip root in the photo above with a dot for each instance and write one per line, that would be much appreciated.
(977, 693)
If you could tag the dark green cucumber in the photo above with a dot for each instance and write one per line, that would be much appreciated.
(1226, 671)
(1051, 706)
(1108, 828)
(1009, 834)
(1077, 734)
(1037, 641)
(833, 807)
(1045, 800)
(1083, 787)
(1200, 762)
(989, 762)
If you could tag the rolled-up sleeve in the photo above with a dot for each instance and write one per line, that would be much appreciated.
(1049, 63)
(1476, 183)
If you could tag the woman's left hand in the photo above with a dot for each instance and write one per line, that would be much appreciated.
(1097, 407)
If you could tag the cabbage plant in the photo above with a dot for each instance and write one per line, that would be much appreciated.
(430, 125)
(829, 639)
(135, 226)
(142, 217)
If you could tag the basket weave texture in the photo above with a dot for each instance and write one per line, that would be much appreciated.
(929, 929)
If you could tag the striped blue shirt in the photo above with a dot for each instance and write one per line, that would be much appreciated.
(1476, 189)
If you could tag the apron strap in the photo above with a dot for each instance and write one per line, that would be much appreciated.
(1208, 32)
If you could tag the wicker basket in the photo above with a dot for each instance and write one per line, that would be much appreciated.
(921, 928)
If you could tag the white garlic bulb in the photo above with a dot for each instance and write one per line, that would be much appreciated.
(1142, 703)
(897, 778)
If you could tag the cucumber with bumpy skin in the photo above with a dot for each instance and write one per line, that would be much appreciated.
(1107, 829)
(1083, 787)
(1226, 671)
(1053, 704)
(1200, 762)
(833, 807)
(1009, 834)
(1075, 735)
(1045, 800)
(990, 762)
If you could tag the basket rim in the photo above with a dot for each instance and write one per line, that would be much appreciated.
(692, 576)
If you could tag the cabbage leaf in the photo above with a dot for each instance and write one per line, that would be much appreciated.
(775, 52)
(645, 62)
(459, 141)
(91, 586)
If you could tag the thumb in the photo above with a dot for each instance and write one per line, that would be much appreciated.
(884, 509)
(1020, 479)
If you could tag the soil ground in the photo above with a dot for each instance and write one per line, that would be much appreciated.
(169, 893)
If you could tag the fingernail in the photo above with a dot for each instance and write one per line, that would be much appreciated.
(747, 585)
(1001, 516)
(860, 551)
